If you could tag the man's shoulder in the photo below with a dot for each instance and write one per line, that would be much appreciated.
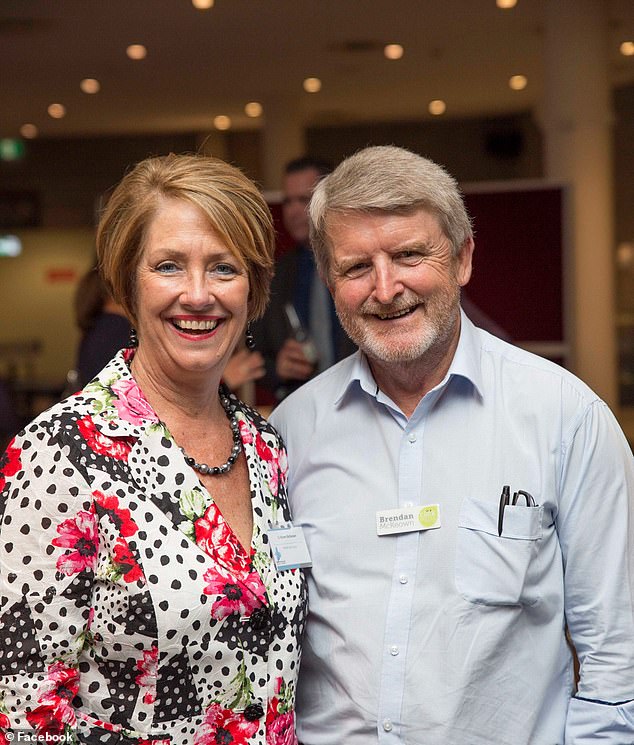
(321, 392)
(525, 371)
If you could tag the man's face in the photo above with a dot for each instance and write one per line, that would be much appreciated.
(396, 283)
(298, 189)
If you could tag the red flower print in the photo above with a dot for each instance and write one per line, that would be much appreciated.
(5, 724)
(224, 727)
(120, 516)
(125, 562)
(246, 432)
(131, 404)
(56, 712)
(263, 450)
(237, 595)
(280, 721)
(216, 539)
(147, 676)
(281, 729)
(79, 534)
(10, 463)
(118, 448)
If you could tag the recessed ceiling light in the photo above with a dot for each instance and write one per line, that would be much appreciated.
(222, 122)
(136, 51)
(518, 82)
(393, 51)
(437, 107)
(28, 131)
(506, 3)
(90, 85)
(627, 48)
(253, 109)
(312, 85)
(57, 111)
(203, 4)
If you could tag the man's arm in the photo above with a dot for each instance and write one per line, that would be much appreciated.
(595, 526)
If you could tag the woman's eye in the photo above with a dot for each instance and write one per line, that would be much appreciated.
(166, 267)
(225, 270)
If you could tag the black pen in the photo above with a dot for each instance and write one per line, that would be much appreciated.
(504, 500)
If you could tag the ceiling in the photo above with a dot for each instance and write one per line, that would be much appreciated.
(204, 63)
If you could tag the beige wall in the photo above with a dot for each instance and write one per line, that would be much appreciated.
(33, 306)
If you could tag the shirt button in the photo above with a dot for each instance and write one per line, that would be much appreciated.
(387, 725)
(394, 650)
(411, 437)
(403, 579)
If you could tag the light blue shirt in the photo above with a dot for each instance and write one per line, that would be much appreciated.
(455, 635)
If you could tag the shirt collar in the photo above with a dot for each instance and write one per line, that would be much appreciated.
(465, 364)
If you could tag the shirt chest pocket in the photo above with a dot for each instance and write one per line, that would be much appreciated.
(498, 570)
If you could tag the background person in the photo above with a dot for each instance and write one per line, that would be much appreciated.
(139, 598)
(288, 361)
(437, 610)
(103, 324)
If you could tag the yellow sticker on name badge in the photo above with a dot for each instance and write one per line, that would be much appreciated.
(407, 519)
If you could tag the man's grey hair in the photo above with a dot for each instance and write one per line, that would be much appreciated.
(386, 179)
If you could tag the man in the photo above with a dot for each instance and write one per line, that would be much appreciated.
(293, 355)
(462, 500)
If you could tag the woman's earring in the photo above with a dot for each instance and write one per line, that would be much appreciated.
(133, 341)
(248, 338)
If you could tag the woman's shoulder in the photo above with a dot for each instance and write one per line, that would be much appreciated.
(254, 417)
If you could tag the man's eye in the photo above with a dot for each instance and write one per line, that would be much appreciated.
(356, 270)
(410, 257)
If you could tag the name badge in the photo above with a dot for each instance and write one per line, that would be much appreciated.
(288, 547)
(408, 519)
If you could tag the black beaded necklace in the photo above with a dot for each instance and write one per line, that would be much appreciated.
(235, 450)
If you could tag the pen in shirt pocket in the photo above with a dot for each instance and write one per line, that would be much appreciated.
(505, 500)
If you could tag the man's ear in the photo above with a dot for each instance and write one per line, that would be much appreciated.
(464, 262)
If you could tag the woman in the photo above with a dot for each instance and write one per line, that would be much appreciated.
(142, 601)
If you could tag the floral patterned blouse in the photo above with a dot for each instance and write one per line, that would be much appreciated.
(129, 611)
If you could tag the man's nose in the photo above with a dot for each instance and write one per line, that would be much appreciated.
(387, 284)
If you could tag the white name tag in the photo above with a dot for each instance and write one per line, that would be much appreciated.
(407, 519)
(288, 547)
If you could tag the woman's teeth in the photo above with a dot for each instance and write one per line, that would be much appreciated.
(195, 325)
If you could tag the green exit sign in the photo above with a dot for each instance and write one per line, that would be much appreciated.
(11, 149)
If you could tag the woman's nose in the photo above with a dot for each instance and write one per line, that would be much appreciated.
(197, 291)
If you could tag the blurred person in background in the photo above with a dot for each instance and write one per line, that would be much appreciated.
(312, 339)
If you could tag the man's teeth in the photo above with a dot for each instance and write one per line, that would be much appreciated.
(196, 325)
(397, 314)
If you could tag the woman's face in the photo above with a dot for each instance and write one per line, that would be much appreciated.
(191, 295)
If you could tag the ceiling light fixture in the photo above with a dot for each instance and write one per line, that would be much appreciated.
(437, 107)
(312, 85)
(28, 131)
(518, 82)
(90, 85)
(222, 122)
(203, 4)
(393, 51)
(627, 48)
(57, 111)
(253, 109)
(506, 4)
(136, 51)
